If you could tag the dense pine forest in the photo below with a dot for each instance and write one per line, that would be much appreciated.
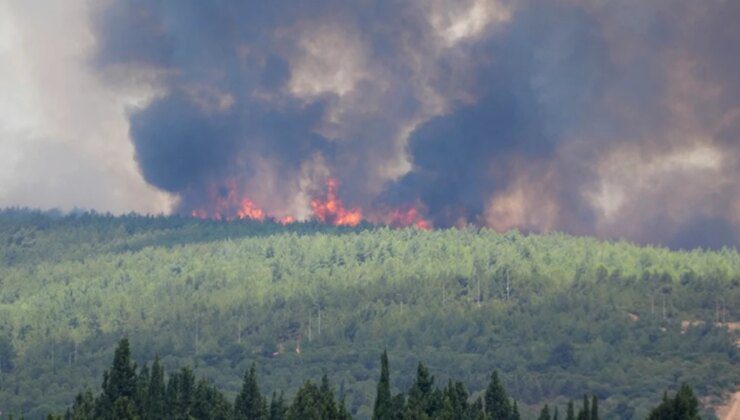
(556, 316)
(129, 393)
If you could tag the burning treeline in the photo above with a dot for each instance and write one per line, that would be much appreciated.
(226, 203)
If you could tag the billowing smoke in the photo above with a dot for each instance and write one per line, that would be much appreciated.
(616, 119)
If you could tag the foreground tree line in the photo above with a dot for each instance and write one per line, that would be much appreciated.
(130, 393)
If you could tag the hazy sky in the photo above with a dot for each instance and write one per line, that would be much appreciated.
(63, 131)
(607, 118)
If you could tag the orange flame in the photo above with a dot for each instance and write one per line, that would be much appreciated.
(332, 210)
(249, 210)
(404, 218)
(200, 214)
(227, 203)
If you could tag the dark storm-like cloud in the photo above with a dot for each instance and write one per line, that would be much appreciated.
(227, 106)
(584, 116)
(538, 79)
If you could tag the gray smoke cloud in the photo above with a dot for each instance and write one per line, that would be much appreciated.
(584, 116)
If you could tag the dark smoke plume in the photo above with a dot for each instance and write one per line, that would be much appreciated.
(615, 119)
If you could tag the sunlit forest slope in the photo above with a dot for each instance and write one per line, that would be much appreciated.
(557, 316)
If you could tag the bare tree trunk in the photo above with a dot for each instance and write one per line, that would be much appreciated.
(508, 284)
(716, 310)
(197, 327)
(239, 331)
(309, 327)
(478, 294)
(664, 307)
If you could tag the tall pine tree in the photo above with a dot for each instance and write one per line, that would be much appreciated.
(594, 408)
(585, 412)
(423, 400)
(155, 401)
(249, 404)
(545, 413)
(122, 376)
(498, 406)
(383, 409)
(570, 413)
(515, 411)
(277, 407)
(683, 406)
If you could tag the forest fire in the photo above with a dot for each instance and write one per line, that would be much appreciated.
(403, 218)
(226, 204)
(248, 210)
(331, 210)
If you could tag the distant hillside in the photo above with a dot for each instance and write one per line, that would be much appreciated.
(556, 315)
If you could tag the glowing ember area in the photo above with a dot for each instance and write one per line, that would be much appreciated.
(200, 214)
(286, 220)
(331, 209)
(227, 204)
(403, 218)
(249, 211)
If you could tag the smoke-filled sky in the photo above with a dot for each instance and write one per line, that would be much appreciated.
(619, 119)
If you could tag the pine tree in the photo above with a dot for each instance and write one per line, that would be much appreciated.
(422, 399)
(306, 404)
(555, 415)
(277, 407)
(171, 394)
(383, 409)
(83, 407)
(249, 404)
(570, 413)
(686, 403)
(476, 409)
(455, 401)
(155, 400)
(515, 412)
(327, 402)
(448, 411)
(498, 406)
(683, 406)
(399, 406)
(342, 412)
(209, 403)
(584, 413)
(184, 393)
(122, 376)
(594, 408)
(142, 386)
(545, 413)
(123, 409)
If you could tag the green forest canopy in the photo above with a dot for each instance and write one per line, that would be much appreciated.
(556, 315)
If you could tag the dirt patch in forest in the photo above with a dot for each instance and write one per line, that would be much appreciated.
(733, 326)
(731, 410)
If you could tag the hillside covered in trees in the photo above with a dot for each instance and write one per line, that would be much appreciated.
(557, 316)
